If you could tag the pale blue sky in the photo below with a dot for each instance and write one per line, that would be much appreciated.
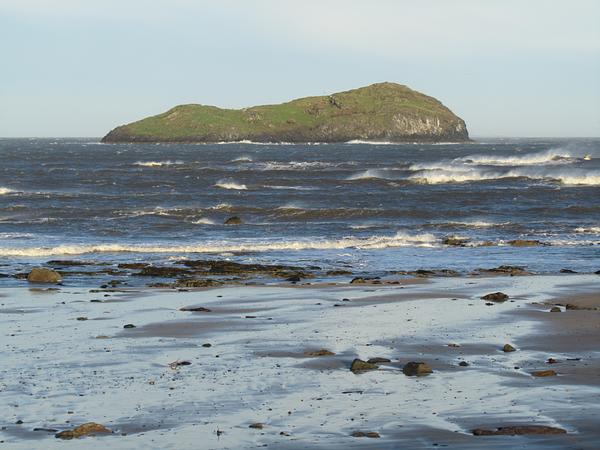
(508, 67)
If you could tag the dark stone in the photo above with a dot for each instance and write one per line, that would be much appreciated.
(194, 309)
(495, 297)
(555, 309)
(43, 275)
(165, 272)
(338, 272)
(176, 364)
(369, 434)
(508, 348)
(257, 425)
(506, 270)
(365, 280)
(207, 345)
(544, 373)
(69, 262)
(135, 266)
(129, 325)
(455, 241)
(378, 360)
(526, 243)
(567, 271)
(463, 364)
(358, 365)
(234, 220)
(86, 429)
(519, 430)
(416, 369)
(321, 352)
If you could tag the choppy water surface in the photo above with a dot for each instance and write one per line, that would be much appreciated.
(372, 207)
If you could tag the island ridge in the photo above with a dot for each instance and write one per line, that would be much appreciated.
(387, 112)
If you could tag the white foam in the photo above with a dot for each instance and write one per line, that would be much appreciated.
(222, 207)
(4, 191)
(590, 230)
(296, 165)
(157, 163)
(554, 156)
(374, 242)
(367, 175)
(242, 159)
(230, 184)
(203, 221)
(451, 174)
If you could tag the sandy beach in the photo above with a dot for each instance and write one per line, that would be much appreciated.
(68, 360)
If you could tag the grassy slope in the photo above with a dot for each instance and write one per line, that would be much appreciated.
(363, 112)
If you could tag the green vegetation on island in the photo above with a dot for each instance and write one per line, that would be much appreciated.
(380, 112)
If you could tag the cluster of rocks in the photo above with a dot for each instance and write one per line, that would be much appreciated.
(410, 369)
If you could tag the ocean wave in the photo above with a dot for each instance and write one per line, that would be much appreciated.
(203, 221)
(554, 156)
(374, 242)
(572, 177)
(158, 163)
(222, 207)
(242, 159)
(230, 184)
(296, 165)
(368, 175)
(293, 188)
(4, 191)
(157, 211)
(470, 224)
(587, 230)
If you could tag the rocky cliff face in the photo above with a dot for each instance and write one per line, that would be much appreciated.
(380, 112)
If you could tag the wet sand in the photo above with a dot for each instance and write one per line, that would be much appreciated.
(58, 372)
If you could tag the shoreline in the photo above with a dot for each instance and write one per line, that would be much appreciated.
(257, 369)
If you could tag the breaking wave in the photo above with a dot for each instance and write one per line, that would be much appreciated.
(547, 157)
(158, 163)
(203, 221)
(374, 242)
(296, 165)
(572, 177)
(242, 159)
(4, 191)
(588, 230)
(369, 174)
(230, 184)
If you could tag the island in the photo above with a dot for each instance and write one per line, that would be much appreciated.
(388, 112)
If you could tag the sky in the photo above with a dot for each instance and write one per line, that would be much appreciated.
(507, 67)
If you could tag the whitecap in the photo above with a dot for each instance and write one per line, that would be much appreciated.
(374, 242)
(157, 163)
(588, 230)
(230, 184)
(553, 156)
(4, 191)
(367, 175)
(203, 221)
(242, 159)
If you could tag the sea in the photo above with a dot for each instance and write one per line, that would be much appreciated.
(369, 208)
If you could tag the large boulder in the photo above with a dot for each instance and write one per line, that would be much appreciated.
(234, 220)
(358, 365)
(43, 275)
(416, 369)
(495, 297)
(87, 429)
